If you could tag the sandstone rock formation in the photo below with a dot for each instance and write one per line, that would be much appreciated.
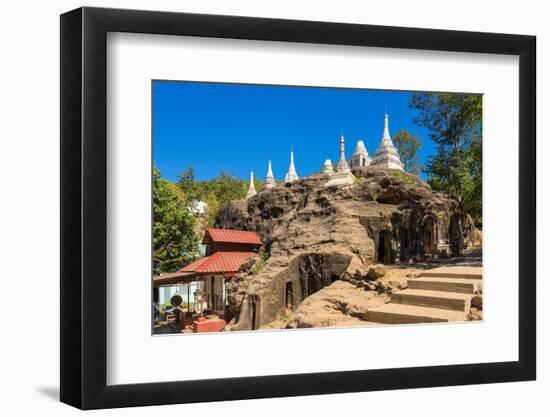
(313, 234)
(377, 271)
(340, 304)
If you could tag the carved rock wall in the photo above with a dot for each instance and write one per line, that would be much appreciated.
(313, 234)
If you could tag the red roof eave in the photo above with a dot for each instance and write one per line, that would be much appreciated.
(173, 278)
(232, 236)
(219, 262)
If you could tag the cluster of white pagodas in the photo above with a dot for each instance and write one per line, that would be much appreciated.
(386, 156)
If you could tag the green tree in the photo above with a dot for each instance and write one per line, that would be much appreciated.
(215, 192)
(454, 123)
(212, 207)
(473, 189)
(227, 186)
(174, 239)
(191, 188)
(408, 146)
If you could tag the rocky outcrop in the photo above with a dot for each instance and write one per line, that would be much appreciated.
(339, 304)
(312, 234)
(284, 282)
(377, 271)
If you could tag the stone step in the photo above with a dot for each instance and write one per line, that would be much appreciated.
(433, 299)
(464, 275)
(405, 314)
(460, 285)
(454, 272)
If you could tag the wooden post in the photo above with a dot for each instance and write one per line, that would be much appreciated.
(188, 296)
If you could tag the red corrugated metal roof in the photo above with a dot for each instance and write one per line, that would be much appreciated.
(233, 236)
(228, 262)
(193, 265)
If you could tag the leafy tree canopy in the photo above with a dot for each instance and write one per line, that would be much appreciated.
(174, 240)
(408, 145)
(454, 123)
(215, 192)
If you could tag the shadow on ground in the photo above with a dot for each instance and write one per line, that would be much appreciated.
(473, 259)
(49, 392)
(170, 328)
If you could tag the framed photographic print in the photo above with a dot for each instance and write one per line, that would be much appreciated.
(257, 208)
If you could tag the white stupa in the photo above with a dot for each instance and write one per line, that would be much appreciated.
(342, 163)
(360, 157)
(251, 189)
(269, 178)
(343, 175)
(327, 168)
(291, 175)
(386, 154)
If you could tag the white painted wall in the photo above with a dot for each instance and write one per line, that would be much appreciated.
(30, 204)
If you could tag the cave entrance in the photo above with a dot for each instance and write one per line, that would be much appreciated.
(289, 295)
(429, 236)
(455, 234)
(253, 315)
(384, 247)
(405, 244)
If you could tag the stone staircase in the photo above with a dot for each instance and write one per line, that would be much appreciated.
(439, 295)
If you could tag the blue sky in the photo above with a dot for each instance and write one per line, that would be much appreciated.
(237, 128)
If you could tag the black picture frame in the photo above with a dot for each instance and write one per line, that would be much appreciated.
(84, 207)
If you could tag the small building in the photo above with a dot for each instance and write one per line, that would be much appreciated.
(201, 283)
(197, 207)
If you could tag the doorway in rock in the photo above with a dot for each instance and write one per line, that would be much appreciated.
(289, 295)
(429, 236)
(455, 235)
(253, 314)
(404, 247)
(384, 248)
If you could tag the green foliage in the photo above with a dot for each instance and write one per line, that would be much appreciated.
(454, 123)
(403, 177)
(168, 306)
(189, 186)
(473, 188)
(174, 239)
(257, 268)
(407, 146)
(225, 187)
(264, 256)
(176, 300)
(212, 208)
